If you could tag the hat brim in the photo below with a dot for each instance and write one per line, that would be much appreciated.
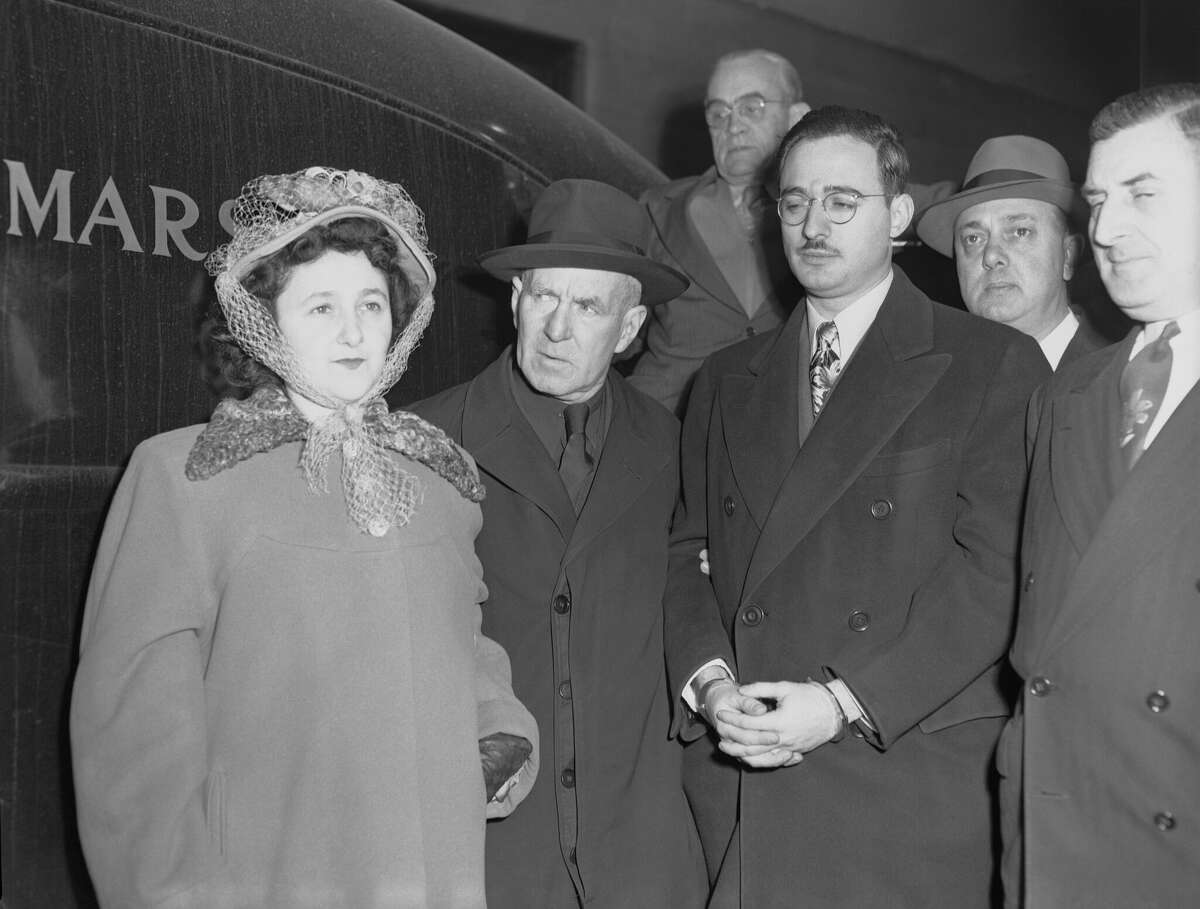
(660, 283)
(415, 264)
(935, 225)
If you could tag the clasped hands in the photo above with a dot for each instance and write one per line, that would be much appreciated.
(805, 715)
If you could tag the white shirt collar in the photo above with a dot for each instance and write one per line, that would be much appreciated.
(1054, 345)
(853, 321)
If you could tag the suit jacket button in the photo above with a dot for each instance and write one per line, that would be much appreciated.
(568, 778)
(1158, 701)
(1040, 686)
(859, 620)
(753, 615)
(728, 505)
(880, 509)
(1164, 821)
(750, 331)
(1028, 582)
(564, 690)
(562, 604)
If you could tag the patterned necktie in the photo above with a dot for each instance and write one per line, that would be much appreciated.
(1143, 384)
(825, 367)
(575, 465)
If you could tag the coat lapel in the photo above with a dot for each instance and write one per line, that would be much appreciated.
(1159, 496)
(681, 239)
(1082, 433)
(628, 464)
(759, 412)
(505, 446)
(892, 371)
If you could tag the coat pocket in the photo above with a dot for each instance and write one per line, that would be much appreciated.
(214, 809)
(910, 461)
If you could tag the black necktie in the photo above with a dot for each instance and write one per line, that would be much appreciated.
(1143, 384)
(575, 465)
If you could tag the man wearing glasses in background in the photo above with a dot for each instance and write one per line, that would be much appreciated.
(720, 230)
(857, 478)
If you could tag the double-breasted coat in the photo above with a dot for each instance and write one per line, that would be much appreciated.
(1107, 739)
(577, 603)
(880, 551)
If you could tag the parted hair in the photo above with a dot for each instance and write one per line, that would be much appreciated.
(832, 120)
(229, 367)
(1179, 100)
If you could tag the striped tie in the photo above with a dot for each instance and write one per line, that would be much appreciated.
(826, 365)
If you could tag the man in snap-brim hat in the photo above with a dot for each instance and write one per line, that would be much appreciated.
(581, 473)
(1011, 230)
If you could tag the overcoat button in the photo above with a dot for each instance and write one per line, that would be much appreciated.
(1028, 581)
(728, 506)
(1040, 686)
(859, 620)
(564, 690)
(753, 615)
(1164, 821)
(750, 331)
(1158, 701)
(880, 509)
(562, 604)
(568, 778)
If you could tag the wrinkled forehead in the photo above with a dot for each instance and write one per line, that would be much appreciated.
(581, 282)
(744, 76)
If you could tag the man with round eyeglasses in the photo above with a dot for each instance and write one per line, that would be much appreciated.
(856, 476)
(718, 228)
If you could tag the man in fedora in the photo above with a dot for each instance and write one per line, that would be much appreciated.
(1009, 232)
(581, 473)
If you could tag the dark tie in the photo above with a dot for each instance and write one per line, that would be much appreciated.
(825, 366)
(575, 465)
(1143, 384)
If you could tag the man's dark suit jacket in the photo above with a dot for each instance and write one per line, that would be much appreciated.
(1107, 738)
(577, 603)
(707, 316)
(1085, 340)
(882, 551)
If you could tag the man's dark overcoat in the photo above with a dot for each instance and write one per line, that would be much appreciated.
(1108, 647)
(881, 551)
(578, 606)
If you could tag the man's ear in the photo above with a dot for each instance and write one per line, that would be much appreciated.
(796, 112)
(516, 296)
(1072, 250)
(902, 213)
(631, 324)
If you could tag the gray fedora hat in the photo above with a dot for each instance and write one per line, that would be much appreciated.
(588, 224)
(1005, 167)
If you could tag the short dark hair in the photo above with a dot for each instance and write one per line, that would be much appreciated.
(229, 367)
(832, 120)
(1180, 100)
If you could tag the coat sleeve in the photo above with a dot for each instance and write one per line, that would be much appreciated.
(138, 710)
(693, 629)
(961, 616)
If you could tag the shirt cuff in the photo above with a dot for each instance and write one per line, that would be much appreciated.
(849, 703)
(691, 690)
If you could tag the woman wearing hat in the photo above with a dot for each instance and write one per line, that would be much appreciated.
(283, 696)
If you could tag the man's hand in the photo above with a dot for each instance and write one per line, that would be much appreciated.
(502, 755)
(723, 702)
(805, 717)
